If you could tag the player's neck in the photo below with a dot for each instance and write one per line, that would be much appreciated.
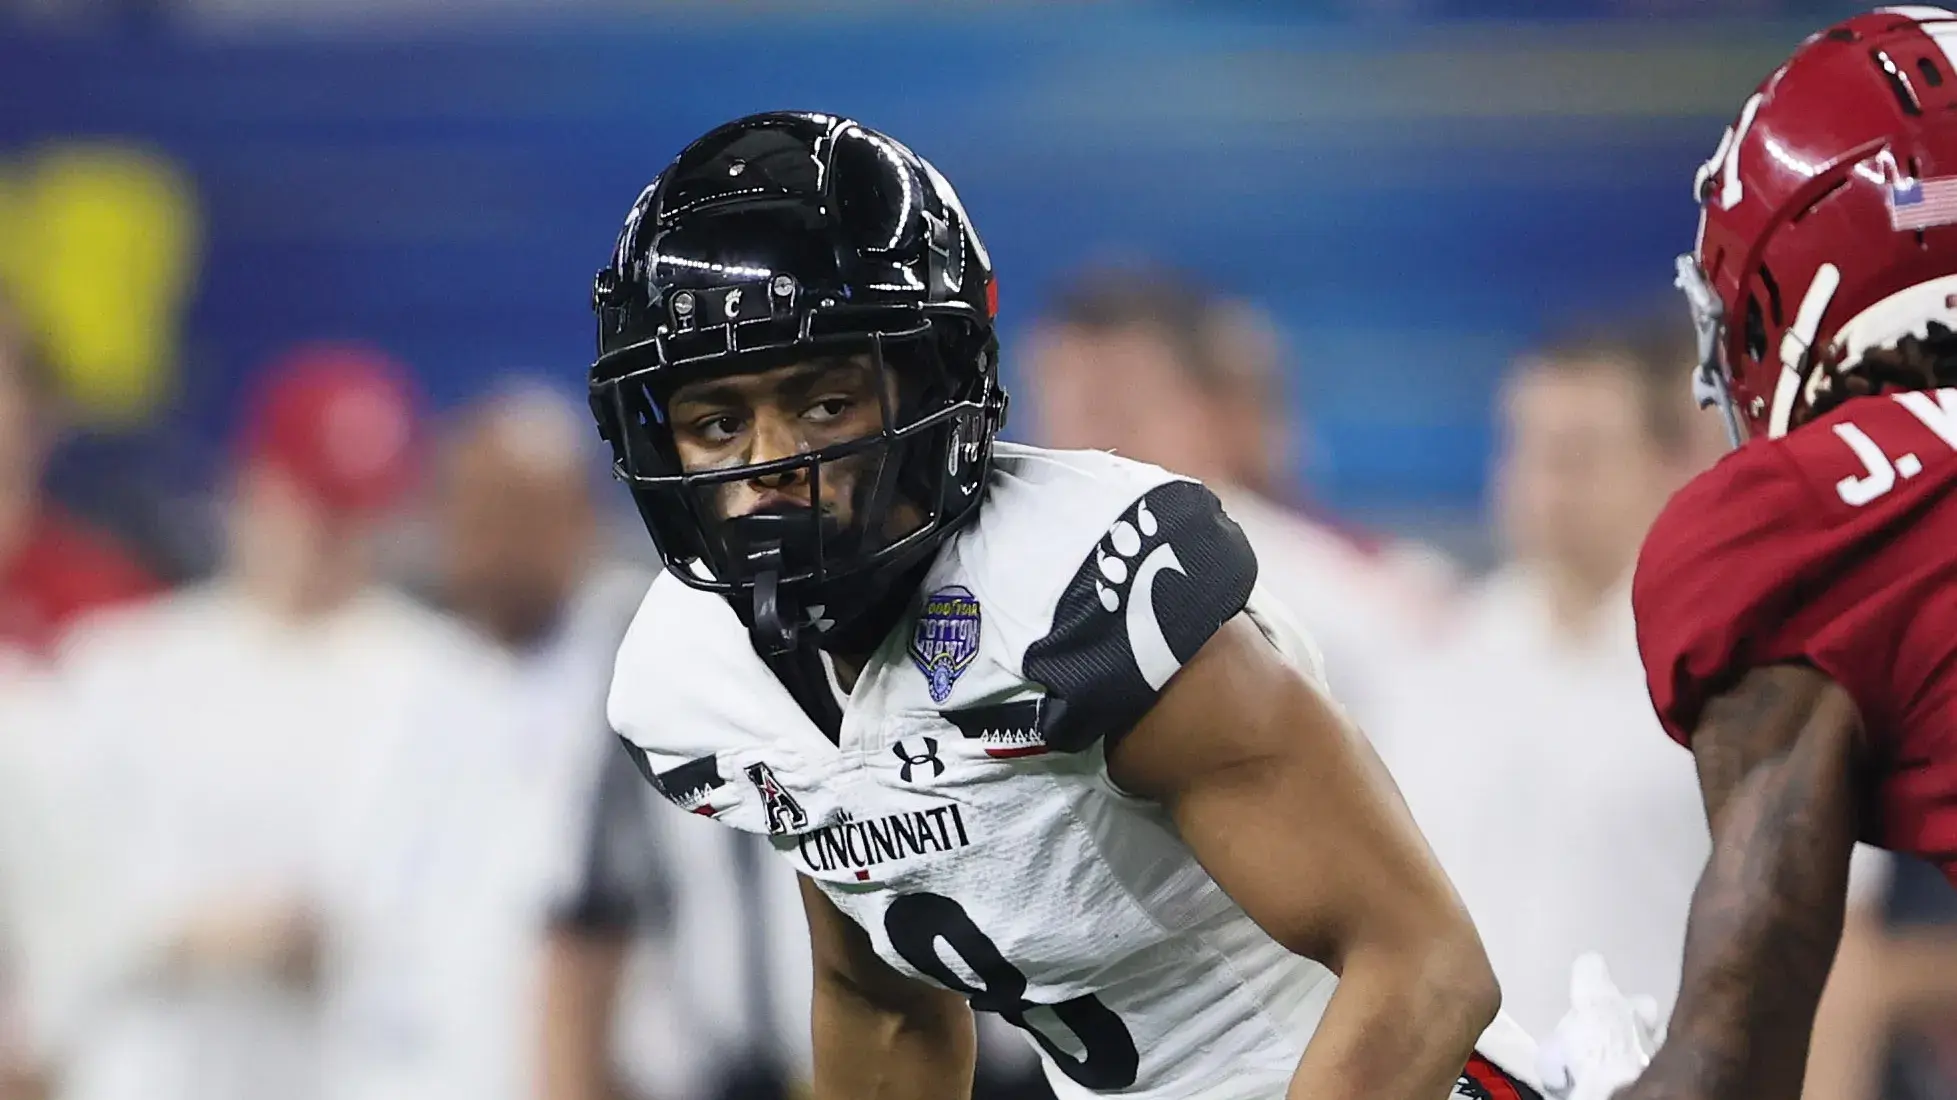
(296, 588)
(1579, 600)
(848, 667)
(884, 606)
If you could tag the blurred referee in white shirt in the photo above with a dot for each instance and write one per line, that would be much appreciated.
(663, 975)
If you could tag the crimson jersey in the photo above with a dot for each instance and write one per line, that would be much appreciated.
(1835, 546)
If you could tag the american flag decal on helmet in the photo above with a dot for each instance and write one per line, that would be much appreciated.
(1922, 204)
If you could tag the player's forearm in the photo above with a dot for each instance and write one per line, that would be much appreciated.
(1401, 1024)
(923, 1050)
(1765, 922)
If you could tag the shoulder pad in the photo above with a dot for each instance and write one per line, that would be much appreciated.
(687, 684)
(1134, 570)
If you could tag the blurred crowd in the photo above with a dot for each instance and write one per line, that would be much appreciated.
(144, 13)
(339, 816)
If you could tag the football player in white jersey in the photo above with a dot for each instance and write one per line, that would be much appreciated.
(1021, 718)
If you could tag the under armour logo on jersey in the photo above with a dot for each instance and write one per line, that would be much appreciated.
(1146, 638)
(784, 813)
(918, 759)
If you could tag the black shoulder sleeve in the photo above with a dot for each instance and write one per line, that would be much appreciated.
(1164, 578)
(621, 883)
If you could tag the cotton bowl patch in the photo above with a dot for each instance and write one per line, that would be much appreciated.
(946, 639)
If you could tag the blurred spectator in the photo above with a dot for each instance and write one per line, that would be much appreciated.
(1151, 366)
(1887, 1025)
(520, 558)
(52, 571)
(670, 964)
(220, 741)
(1903, 1046)
(37, 855)
(1528, 751)
(678, 960)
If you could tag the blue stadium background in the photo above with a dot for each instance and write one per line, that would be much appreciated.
(1416, 197)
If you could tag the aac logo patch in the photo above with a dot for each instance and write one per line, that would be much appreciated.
(946, 638)
(784, 813)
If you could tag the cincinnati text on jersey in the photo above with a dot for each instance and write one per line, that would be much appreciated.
(851, 845)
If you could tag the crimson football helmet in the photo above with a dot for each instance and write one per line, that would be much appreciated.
(1828, 217)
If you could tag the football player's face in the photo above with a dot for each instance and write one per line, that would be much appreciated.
(749, 419)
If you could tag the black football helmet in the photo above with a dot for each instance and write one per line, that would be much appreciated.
(774, 239)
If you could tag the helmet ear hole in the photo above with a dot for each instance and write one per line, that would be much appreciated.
(1756, 330)
(1773, 295)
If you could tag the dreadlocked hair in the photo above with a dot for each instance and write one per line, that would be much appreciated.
(1914, 363)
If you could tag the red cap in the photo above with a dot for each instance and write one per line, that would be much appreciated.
(339, 420)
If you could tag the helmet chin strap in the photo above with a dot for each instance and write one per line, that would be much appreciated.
(850, 611)
(773, 625)
(774, 636)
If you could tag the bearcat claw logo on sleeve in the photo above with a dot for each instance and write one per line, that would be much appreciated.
(946, 638)
(1169, 571)
(1115, 561)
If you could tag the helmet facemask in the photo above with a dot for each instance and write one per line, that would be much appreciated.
(1712, 383)
(771, 243)
(801, 538)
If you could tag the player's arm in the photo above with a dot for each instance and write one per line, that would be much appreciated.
(619, 891)
(878, 1034)
(580, 992)
(1776, 758)
(1286, 806)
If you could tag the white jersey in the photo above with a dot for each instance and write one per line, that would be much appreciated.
(962, 813)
